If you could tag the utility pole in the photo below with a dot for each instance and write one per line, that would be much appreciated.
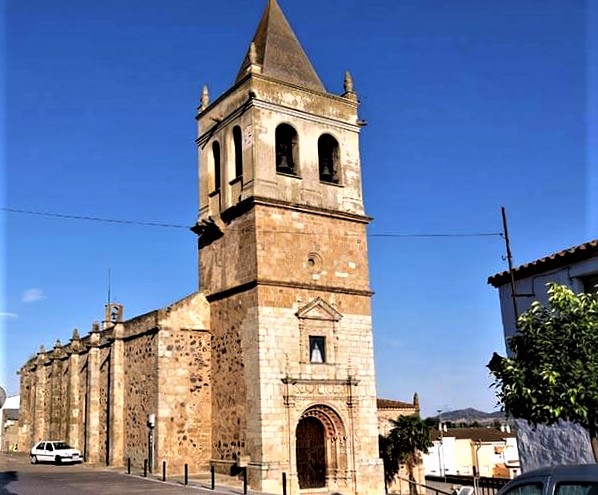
(510, 261)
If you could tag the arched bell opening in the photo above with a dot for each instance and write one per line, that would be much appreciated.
(328, 159)
(286, 149)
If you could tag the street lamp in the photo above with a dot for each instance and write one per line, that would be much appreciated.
(151, 424)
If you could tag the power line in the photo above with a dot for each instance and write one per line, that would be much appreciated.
(295, 232)
(94, 219)
(447, 234)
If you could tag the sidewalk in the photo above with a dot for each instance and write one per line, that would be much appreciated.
(229, 485)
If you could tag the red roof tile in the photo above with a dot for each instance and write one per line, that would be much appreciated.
(475, 433)
(555, 260)
(393, 404)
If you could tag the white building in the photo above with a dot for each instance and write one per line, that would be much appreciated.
(9, 415)
(484, 451)
(577, 268)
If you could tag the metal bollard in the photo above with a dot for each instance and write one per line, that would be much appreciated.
(244, 481)
(186, 474)
(128, 465)
(284, 483)
(145, 468)
(163, 470)
(212, 472)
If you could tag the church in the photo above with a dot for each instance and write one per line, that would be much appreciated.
(270, 364)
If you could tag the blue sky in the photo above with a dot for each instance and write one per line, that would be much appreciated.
(470, 106)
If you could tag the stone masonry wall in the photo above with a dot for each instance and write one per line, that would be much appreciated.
(282, 353)
(231, 326)
(326, 251)
(56, 399)
(231, 260)
(184, 416)
(72, 393)
(184, 426)
(140, 385)
(45, 401)
(63, 422)
(103, 438)
(27, 400)
(82, 417)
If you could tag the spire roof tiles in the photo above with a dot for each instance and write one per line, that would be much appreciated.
(551, 262)
(279, 53)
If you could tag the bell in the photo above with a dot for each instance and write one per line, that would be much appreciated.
(282, 160)
(326, 173)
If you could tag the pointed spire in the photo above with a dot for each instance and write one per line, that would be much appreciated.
(349, 87)
(348, 82)
(252, 54)
(75, 335)
(205, 98)
(277, 50)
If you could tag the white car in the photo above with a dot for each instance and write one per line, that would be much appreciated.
(53, 451)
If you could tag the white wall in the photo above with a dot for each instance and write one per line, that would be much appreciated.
(11, 403)
(567, 443)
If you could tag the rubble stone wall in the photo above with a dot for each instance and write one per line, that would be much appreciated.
(231, 324)
(63, 392)
(161, 366)
(103, 438)
(184, 427)
(140, 389)
(83, 397)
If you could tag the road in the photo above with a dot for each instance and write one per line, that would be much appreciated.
(19, 477)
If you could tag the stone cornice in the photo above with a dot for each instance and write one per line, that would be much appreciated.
(223, 122)
(341, 215)
(149, 331)
(215, 296)
(250, 203)
(321, 381)
(341, 99)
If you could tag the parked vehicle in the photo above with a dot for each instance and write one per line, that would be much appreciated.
(54, 451)
(581, 479)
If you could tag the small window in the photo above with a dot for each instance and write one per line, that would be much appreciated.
(328, 158)
(526, 489)
(286, 149)
(216, 162)
(238, 151)
(317, 349)
(590, 284)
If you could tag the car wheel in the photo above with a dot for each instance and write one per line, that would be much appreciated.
(33, 459)
(57, 459)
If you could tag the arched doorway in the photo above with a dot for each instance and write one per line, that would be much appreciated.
(320, 445)
(311, 453)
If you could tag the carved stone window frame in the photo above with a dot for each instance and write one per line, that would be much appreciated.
(318, 319)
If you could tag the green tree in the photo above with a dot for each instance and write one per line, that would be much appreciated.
(408, 436)
(431, 421)
(553, 374)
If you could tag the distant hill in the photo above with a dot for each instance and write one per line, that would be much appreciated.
(470, 416)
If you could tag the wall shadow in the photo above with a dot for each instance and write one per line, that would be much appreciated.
(6, 478)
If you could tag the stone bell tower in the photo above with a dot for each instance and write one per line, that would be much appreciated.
(283, 264)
